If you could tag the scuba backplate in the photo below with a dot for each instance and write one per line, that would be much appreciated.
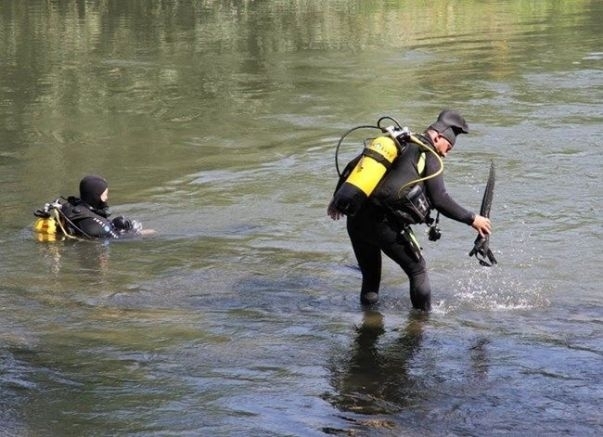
(375, 161)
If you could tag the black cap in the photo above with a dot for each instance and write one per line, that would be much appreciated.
(91, 188)
(450, 124)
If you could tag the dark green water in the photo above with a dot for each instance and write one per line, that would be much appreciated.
(216, 123)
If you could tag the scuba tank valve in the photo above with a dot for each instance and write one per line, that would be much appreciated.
(399, 135)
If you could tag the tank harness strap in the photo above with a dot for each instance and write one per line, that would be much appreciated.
(421, 163)
(377, 157)
(57, 216)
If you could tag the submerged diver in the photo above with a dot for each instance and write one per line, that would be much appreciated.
(86, 217)
(412, 186)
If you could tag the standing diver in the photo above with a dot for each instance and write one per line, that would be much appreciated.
(86, 217)
(379, 218)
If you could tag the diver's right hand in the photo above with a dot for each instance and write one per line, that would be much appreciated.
(123, 224)
(333, 212)
(482, 224)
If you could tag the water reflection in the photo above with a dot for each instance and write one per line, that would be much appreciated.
(223, 116)
(90, 257)
(479, 358)
(375, 378)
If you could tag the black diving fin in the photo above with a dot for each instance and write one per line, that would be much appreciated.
(481, 246)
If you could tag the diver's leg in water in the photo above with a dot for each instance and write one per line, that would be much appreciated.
(369, 261)
(420, 289)
(368, 255)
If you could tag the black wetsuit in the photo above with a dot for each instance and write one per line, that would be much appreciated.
(88, 216)
(85, 221)
(372, 230)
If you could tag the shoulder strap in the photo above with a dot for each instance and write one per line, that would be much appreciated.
(421, 164)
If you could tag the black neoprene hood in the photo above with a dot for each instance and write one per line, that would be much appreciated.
(450, 124)
(91, 188)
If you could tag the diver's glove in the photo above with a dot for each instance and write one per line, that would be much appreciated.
(123, 224)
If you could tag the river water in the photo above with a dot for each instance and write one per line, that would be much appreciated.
(216, 124)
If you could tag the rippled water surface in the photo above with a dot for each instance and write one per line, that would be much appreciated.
(216, 125)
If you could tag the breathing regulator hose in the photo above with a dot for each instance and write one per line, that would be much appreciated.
(424, 146)
(341, 141)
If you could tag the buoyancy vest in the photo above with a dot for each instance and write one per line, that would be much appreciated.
(399, 193)
(398, 180)
(76, 210)
(83, 220)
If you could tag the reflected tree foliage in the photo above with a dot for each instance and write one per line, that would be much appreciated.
(85, 82)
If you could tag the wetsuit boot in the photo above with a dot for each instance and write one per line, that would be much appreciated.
(369, 298)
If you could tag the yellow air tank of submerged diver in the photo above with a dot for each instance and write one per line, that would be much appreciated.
(375, 161)
(45, 229)
(48, 226)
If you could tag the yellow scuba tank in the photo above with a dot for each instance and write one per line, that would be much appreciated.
(375, 161)
(45, 229)
(48, 225)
